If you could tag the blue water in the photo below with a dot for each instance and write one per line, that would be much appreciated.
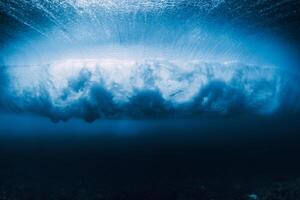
(149, 99)
(145, 59)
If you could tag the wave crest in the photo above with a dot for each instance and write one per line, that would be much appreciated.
(92, 89)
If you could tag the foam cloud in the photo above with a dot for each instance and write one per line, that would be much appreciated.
(94, 89)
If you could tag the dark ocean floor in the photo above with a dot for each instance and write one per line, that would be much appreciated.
(267, 189)
(212, 159)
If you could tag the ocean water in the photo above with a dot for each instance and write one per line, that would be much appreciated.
(149, 99)
(210, 158)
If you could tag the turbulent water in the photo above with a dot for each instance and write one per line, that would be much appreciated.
(93, 89)
(189, 99)
(144, 59)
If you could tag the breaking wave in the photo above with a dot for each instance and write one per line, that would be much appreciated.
(93, 89)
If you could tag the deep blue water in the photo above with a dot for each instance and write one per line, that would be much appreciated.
(223, 158)
(150, 99)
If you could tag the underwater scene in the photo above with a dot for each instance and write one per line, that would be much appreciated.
(150, 99)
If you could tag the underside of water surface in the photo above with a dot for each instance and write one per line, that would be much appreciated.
(147, 59)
